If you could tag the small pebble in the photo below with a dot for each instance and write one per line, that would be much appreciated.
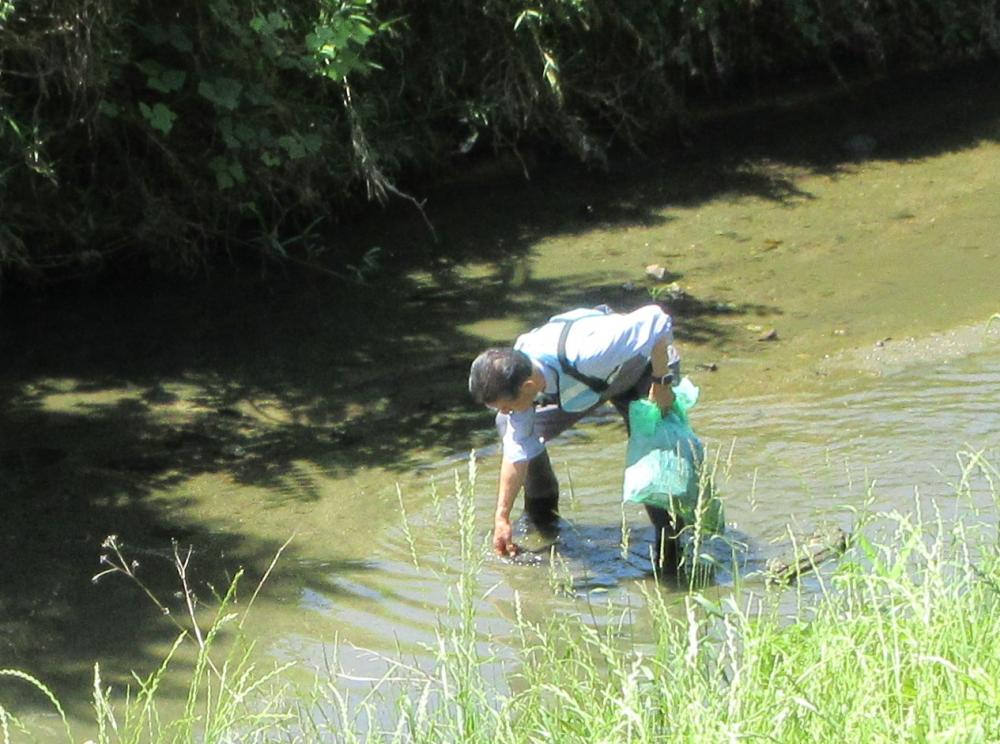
(655, 271)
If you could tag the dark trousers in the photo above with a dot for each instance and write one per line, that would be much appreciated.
(541, 487)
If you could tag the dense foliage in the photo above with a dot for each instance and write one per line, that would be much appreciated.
(176, 131)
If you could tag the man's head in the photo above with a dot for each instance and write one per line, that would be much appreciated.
(504, 379)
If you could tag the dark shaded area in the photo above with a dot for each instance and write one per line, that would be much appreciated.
(301, 365)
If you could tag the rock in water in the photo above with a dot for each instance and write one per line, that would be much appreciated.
(827, 541)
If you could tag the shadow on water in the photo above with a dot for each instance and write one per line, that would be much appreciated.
(585, 558)
(113, 391)
(61, 501)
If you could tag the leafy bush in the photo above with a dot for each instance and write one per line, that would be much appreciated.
(168, 128)
(179, 131)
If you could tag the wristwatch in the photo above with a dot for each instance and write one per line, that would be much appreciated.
(667, 379)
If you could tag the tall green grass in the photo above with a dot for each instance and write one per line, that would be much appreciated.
(898, 644)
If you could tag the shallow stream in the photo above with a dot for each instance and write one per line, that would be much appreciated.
(234, 424)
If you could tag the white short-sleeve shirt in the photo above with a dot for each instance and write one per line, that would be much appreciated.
(598, 346)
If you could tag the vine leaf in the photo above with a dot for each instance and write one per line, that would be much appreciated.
(160, 116)
(222, 91)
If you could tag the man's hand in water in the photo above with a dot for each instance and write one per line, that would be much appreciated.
(503, 538)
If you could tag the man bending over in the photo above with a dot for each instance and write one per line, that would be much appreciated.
(555, 375)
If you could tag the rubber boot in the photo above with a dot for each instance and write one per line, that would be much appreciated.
(541, 493)
(666, 553)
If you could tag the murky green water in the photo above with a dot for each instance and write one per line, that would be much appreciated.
(234, 423)
(795, 461)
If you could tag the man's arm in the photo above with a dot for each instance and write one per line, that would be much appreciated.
(512, 475)
(662, 395)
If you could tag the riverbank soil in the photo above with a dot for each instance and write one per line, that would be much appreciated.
(794, 243)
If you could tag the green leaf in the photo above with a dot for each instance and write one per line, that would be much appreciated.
(168, 81)
(272, 23)
(179, 39)
(312, 143)
(226, 130)
(237, 172)
(335, 44)
(293, 146)
(865, 546)
(160, 116)
(265, 136)
(317, 40)
(228, 171)
(222, 91)
(270, 159)
(160, 78)
(245, 134)
(149, 66)
(712, 609)
(220, 168)
(258, 95)
(108, 109)
(362, 32)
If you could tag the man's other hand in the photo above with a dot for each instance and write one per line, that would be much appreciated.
(663, 396)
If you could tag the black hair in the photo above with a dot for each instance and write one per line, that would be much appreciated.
(498, 373)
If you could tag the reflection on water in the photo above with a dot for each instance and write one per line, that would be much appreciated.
(814, 455)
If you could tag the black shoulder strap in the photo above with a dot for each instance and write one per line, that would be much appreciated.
(594, 383)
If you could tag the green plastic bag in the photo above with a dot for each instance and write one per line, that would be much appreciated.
(663, 462)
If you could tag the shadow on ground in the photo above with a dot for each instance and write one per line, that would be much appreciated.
(112, 392)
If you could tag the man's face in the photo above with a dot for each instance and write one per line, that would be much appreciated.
(524, 400)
